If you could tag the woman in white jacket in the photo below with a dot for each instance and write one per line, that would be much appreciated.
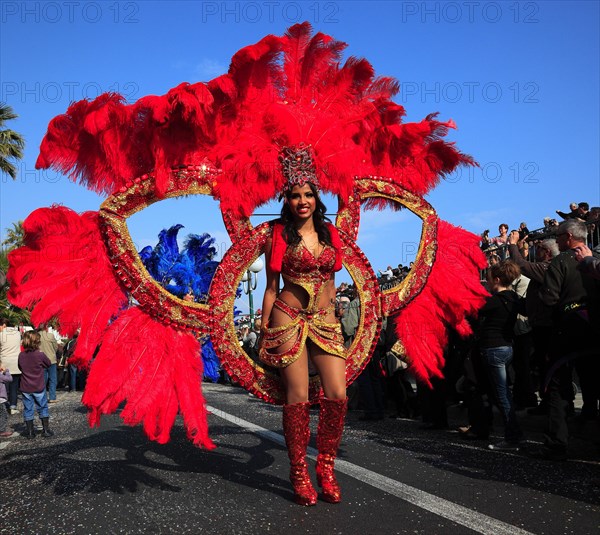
(10, 347)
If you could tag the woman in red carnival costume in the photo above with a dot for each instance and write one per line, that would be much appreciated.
(289, 116)
(306, 251)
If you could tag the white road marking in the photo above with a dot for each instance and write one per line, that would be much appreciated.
(464, 516)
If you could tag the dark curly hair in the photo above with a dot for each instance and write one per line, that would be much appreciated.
(290, 233)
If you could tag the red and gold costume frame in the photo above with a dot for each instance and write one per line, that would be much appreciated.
(214, 139)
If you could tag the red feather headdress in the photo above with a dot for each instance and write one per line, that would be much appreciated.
(281, 92)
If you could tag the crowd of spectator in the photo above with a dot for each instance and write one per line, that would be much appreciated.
(496, 248)
(535, 343)
(391, 277)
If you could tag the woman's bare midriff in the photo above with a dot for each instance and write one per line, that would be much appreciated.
(297, 297)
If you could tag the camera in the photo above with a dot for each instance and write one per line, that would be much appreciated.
(536, 236)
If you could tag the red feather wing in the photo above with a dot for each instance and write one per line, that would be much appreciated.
(153, 369)
(423, 325)
(63, 272)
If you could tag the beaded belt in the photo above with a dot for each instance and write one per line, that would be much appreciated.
(303, 324)
(294, 312)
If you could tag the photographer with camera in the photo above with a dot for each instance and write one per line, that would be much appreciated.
(523, 230)
(485, 239)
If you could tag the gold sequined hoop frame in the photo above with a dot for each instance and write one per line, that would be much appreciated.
(265, 382)
(348, 220)
(137, 195)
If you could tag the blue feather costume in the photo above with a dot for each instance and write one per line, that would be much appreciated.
(182, 272)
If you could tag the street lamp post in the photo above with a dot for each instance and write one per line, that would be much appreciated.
(249, 280)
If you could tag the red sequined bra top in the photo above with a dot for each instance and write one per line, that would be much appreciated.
(299, 266)
(298, 261)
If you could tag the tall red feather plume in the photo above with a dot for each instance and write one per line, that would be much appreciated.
(63, 272)
(294, 45)
(158, 370)
(278, 92)
(423, 325)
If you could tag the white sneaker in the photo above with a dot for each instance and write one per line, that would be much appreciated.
(14, 410)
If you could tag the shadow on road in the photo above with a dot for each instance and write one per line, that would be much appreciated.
(122, 460)
(574, 480)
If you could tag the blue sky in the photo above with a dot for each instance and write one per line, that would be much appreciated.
(520, 79)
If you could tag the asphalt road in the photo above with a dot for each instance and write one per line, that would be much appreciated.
(395, 477)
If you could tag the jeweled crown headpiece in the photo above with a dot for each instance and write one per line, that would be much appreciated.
(297, 166)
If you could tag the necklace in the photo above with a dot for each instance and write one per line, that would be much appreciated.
(314, 248)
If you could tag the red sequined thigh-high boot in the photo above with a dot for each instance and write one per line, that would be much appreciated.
(329, 434)
(296, 430)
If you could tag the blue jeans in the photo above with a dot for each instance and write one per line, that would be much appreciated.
(50, 375)
(496, 360)
(32, 400)
(13, 390)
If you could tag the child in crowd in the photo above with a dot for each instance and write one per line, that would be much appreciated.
(5, 377)
(32, 363)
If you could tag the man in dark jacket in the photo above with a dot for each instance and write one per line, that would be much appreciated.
(575, 302)
(538, 314)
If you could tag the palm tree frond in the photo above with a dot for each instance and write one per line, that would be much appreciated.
(11, 143)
